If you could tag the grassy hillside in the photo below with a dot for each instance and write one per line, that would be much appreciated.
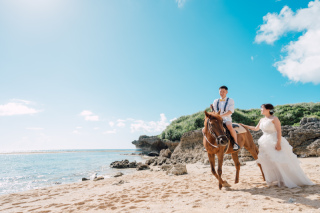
(289, 114)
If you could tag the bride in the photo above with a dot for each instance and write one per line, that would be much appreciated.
(279, 164)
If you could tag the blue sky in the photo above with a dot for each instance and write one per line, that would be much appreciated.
(97, 74)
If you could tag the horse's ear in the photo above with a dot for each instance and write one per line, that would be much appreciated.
(207, 114)
(219, 112)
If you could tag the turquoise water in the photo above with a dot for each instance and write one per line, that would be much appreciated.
(37, 169)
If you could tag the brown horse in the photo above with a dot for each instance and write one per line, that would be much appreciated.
(216, 143)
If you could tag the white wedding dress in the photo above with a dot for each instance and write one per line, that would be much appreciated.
(279, 167)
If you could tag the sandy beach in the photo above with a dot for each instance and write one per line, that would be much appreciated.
(154, 191)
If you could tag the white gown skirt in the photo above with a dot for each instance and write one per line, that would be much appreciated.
(282, 167)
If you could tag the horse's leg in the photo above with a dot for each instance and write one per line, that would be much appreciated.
(254, 151)
(212, 161)
(220, 162)
(235, 159)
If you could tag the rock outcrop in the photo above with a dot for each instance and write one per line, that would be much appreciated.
(305, 140)
(190, 148)
(177, 169)
(153, 144)
(123, 164)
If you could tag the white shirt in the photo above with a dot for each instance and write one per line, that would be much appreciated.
(230, 107)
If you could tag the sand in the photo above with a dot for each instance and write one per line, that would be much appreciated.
(154, 191)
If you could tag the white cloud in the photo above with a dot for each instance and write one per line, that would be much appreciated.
(96, 128)
(181, 3)
(110, 131)
(34, 128)
(121, 124)
(301, 59)
(111, 123)
(173, 119)
(78, 127)
(89, 116)
(151, 126)
(17, 107)
(76, 132)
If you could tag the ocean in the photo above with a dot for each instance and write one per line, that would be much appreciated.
(21, 171)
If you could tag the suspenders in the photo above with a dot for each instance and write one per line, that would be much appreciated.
(225, 106)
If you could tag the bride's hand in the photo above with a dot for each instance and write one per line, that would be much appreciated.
(278, 147)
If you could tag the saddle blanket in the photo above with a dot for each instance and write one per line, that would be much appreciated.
(239, 129)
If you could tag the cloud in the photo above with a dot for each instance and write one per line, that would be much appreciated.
(151, 126)
(89, 116)
(181, 3)
(173, 119)
(78, 127)
(121, 124)
(110, 131)
(111, 123)
(76, 132)
(301, 59)
(17, 107)
(34, 128)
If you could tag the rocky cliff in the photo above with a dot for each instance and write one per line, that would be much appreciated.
(153, 144)
(305, 140)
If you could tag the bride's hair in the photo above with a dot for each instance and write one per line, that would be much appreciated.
(269, 107)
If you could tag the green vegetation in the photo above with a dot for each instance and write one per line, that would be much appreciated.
(289, 114)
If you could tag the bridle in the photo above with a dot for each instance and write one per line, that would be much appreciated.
(213, 134)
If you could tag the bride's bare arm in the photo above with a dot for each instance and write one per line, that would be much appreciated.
(252, 127)
(277, 124)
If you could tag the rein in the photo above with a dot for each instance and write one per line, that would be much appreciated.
(213, 135)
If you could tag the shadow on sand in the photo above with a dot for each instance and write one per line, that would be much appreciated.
(300, 195)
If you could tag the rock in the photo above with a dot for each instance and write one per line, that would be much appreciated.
(85, 179)
(98, 178)
(190, 148)
(123, 164)
(178, 169)
(118, 174)
(154, 144)
(308, 120)
(153, 154)
(166, 167)
(165, 153)
(142, 167)
(133, 164)
(57, 183)
(314, 148)
(150, 161)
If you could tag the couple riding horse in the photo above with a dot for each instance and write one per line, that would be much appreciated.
(221, 138)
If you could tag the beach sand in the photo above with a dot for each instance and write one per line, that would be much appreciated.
(154, 191)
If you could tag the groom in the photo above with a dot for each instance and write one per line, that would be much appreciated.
(226, 107)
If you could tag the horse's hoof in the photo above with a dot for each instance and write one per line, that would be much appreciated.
(220, 186)
(226, 184)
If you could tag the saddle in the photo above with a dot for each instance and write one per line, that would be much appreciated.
(237, 127)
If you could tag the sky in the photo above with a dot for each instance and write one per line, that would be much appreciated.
(82, 74)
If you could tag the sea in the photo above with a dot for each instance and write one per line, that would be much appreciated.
(26, 170)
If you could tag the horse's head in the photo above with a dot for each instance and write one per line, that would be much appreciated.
(214, 125)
